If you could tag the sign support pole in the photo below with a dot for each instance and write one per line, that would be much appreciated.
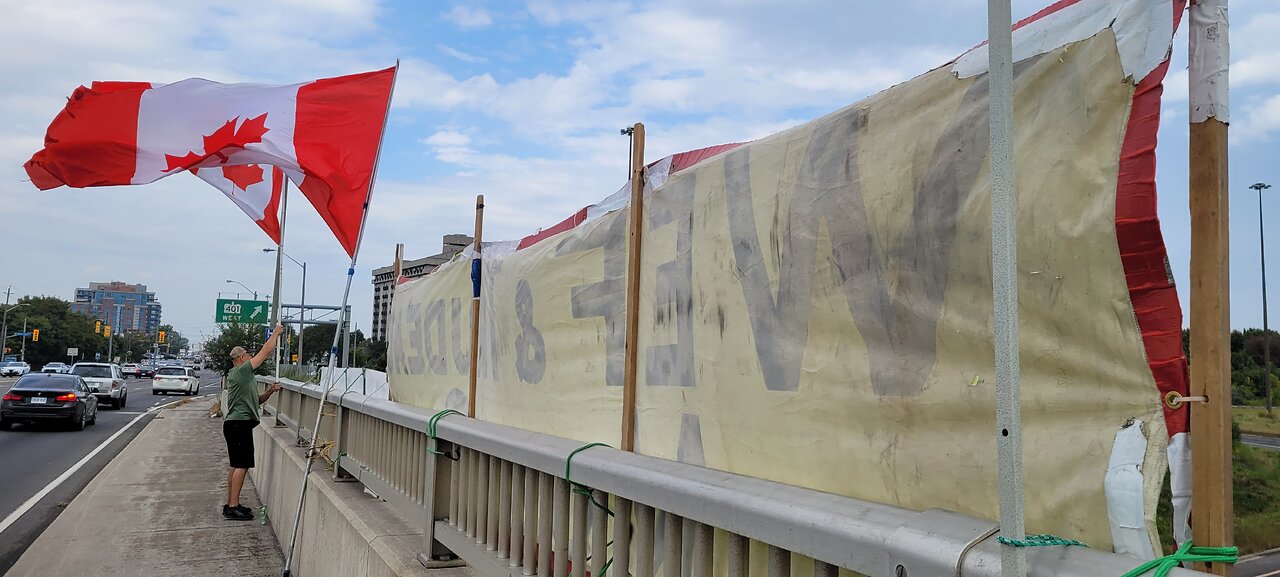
(1211, 517)
(635, 235)
(475, 305)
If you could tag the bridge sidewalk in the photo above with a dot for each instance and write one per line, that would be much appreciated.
(155, 510)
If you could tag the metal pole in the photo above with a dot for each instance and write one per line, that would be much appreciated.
(333, 348)
(275, 291)
(1004, 264)
(1266, 331)
(302, 314)
(24, 340)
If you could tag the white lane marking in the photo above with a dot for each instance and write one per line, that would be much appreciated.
(1276, 572)
(29, 503)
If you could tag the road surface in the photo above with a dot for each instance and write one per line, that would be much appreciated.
(35, 456)
(1261, 441)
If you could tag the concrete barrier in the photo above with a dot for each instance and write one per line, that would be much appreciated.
(345, 531)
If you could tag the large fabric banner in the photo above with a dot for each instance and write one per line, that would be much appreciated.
(816, 306)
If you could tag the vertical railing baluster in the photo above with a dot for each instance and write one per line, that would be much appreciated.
(599, 535)
(644, 540)
(821, 569)
(504, 510)
(529, 544)
(560, 540)
(544, 524)
(578, 527)
(482, 499)
(454, 483)
(779, 562)
(673, 537)
(687, 535)
(621, 538)
(473, 478)
(703, 550)
(739, 555)
(517, 516)
(495, 481)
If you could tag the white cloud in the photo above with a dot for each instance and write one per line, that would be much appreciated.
(1257, 121)
(467, 17)
(460, 55)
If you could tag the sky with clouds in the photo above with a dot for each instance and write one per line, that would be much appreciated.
(520, 101)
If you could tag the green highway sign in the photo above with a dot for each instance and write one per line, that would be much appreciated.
(241, 311)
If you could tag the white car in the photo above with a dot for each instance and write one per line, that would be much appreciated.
(14, 369)
(56, 368)
(175, 380)
(105, 382)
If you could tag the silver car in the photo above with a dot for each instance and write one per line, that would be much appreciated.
(14, 369)
(105, 381)
(175, 380)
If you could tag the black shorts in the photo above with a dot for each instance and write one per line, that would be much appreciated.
(239, 436)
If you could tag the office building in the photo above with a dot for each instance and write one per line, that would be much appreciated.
(127, 307)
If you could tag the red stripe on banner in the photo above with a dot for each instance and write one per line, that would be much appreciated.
(1142, 251)
(562, 226)
(684, 160)
(337, 129)
(93, 141)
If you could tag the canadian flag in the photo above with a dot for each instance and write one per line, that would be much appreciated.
(323, 135)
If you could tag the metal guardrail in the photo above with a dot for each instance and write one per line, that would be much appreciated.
(505, 507)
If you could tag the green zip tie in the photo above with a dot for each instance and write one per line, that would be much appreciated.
(1041, 540)
(431, 429)
(1187, 553)
(262, 515)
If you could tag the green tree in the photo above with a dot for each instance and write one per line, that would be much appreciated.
(316, 340)
(60, 329)
(231, 335)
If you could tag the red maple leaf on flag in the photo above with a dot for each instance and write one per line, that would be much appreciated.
(243, 176)
(225, 138)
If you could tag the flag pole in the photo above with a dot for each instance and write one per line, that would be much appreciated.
(275, 293)
(326, 384)
(1211, 490)
(631, 353)
(475, 306)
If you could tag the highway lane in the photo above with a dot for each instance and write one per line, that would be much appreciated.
(1261, 441)
(33, 456)
(1265, 564)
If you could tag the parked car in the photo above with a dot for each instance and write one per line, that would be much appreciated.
(105, 381)
(49, 397)
(14, 369)
(131, 370)
(175, 380)
(146, 371)
(56, 368)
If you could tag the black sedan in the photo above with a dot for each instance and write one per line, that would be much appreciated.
(46, 397)
(146, 371)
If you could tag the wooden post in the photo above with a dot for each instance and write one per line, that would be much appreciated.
(1211, 514)
(475, 311)
(635, 235)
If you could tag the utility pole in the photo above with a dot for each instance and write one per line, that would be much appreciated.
(1266, 331)
(24, 339)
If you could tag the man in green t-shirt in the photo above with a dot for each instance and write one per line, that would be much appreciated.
(241, 416)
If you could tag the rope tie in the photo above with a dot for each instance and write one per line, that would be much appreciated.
(1041, 540)
(1187, 553)
(431, 433)
(586, 491)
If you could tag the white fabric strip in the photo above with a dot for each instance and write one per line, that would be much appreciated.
(1143, 29)
(1123, 486)
(1180, 484)
(1210, 57)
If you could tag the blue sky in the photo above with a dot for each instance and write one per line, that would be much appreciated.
(520, 101)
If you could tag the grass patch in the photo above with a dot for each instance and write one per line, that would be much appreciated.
(1255, 420)
(1257, 501)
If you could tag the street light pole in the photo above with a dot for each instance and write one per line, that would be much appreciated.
(1266, 330)
(4, 326)
(302, 313)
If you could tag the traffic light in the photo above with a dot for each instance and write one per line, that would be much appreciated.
(106, 331)
(161, 341)
(97, 328)
(35, 335)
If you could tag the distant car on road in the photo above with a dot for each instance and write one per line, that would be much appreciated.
(49, 397)
(105, 381)
(146, 371)
(14, 369)
(131, 370)
(175, 380)
(56, 368)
